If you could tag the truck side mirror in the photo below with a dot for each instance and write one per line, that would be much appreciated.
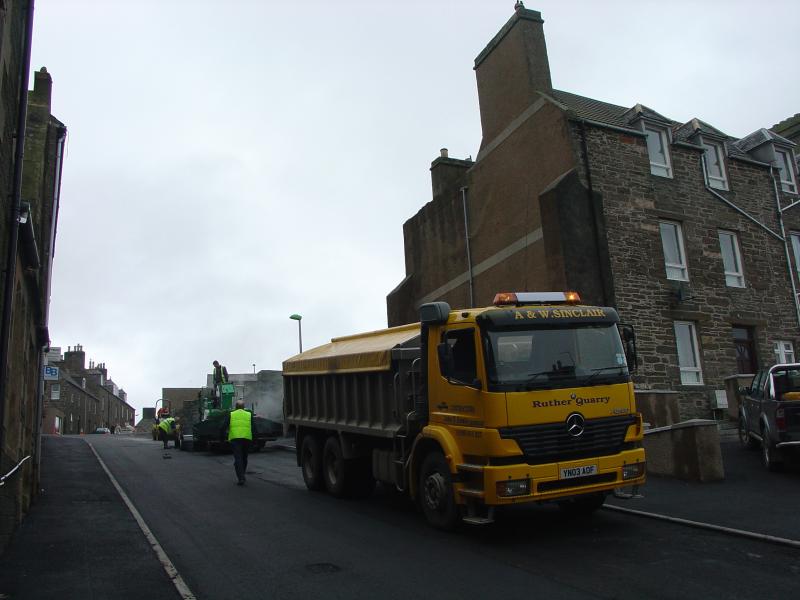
(629, 345)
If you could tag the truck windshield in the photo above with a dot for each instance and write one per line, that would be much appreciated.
(554, 357)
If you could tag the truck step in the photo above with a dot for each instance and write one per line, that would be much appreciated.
(470, 467)
(471, 493)
(478, 520)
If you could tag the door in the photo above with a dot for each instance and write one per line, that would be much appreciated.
(745, 349)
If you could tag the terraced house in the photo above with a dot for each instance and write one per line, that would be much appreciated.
(692, 234)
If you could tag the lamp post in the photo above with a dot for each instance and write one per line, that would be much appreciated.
(254, 368)
(299, 318)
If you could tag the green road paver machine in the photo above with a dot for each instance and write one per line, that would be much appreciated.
(207, 422)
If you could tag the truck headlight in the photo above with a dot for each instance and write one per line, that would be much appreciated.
(514, 487)
(633, 471)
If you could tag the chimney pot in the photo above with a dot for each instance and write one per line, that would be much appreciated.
(443, 152)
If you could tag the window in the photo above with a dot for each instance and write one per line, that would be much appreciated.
(745, 348)
(796, 247)
(688, 355)
(786, 171)
(731, 259)
(55, 391)
(784, 352)
(462, 346)
(658, 150)
(715, 167)
(674, 255)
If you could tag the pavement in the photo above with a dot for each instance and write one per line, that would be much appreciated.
(79, 517)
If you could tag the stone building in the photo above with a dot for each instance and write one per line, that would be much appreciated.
(80, 399)
(31, 143)
(691, 234)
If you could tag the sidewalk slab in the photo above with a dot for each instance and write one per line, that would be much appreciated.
(749, 498)
(79, 539)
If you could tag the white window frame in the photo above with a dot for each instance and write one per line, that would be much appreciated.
(55, 391)
(720, 183)
(680, 266)
(784, 351)
(659, 169)
(690, 374)
(733, 278)
(785, 160)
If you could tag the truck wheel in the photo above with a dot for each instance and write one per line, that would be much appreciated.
(745, 439)
(769, 454)
(334, 467)
(582, 505)
(436, 495)
(311, 463)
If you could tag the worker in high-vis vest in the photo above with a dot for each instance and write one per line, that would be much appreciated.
(240, 434)
(166, 429)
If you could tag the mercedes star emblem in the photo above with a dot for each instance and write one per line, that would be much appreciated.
(575, 424)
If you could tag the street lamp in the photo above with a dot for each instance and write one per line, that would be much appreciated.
(254, 368)
(299, 318)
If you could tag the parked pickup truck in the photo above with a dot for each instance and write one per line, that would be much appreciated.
(770, 414)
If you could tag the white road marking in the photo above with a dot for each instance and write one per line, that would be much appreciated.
(170, 569)
(700, 525)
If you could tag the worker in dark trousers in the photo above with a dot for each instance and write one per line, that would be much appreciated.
(240, 434)
(166, 430)
(220, 376)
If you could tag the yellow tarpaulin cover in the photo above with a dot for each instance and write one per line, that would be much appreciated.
(354, 353)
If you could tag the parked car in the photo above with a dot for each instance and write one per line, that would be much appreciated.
(102, 430)
(769, 415)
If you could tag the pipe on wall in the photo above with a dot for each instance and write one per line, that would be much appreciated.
(466, 241)
(785, 243)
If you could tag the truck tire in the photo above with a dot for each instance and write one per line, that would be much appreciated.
(745, 439)
(582, 506)
(769, 453)
(436, 496)
(334, 468)
(311, 463)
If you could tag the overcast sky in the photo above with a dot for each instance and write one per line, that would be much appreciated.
(232, 163)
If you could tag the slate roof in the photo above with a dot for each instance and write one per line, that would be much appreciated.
(621, 116)
(593, 110)
(757, 138)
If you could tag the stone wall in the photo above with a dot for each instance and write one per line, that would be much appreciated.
(634, 201)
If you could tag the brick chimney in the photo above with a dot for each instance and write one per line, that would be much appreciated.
(446, 172)
(511, 70)
(75, 360)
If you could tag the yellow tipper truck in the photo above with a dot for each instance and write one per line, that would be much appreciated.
(529, 400)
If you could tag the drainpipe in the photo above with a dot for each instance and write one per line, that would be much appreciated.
(466, 241)
(785, 243)
(13, 238)
(742, 212)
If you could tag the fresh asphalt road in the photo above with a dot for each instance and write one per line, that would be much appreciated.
(274, 539)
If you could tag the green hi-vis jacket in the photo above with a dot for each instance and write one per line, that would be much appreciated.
(240, 427)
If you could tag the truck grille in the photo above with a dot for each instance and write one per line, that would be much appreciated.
(552, 443)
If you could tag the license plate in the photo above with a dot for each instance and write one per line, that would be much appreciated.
(583, 471)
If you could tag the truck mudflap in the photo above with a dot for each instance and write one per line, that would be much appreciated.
(520, 483)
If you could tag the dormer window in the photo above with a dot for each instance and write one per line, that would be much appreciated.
(658, 151)
(715, 167)
(786, 171)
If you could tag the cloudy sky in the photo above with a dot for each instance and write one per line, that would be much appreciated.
(232, 163)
